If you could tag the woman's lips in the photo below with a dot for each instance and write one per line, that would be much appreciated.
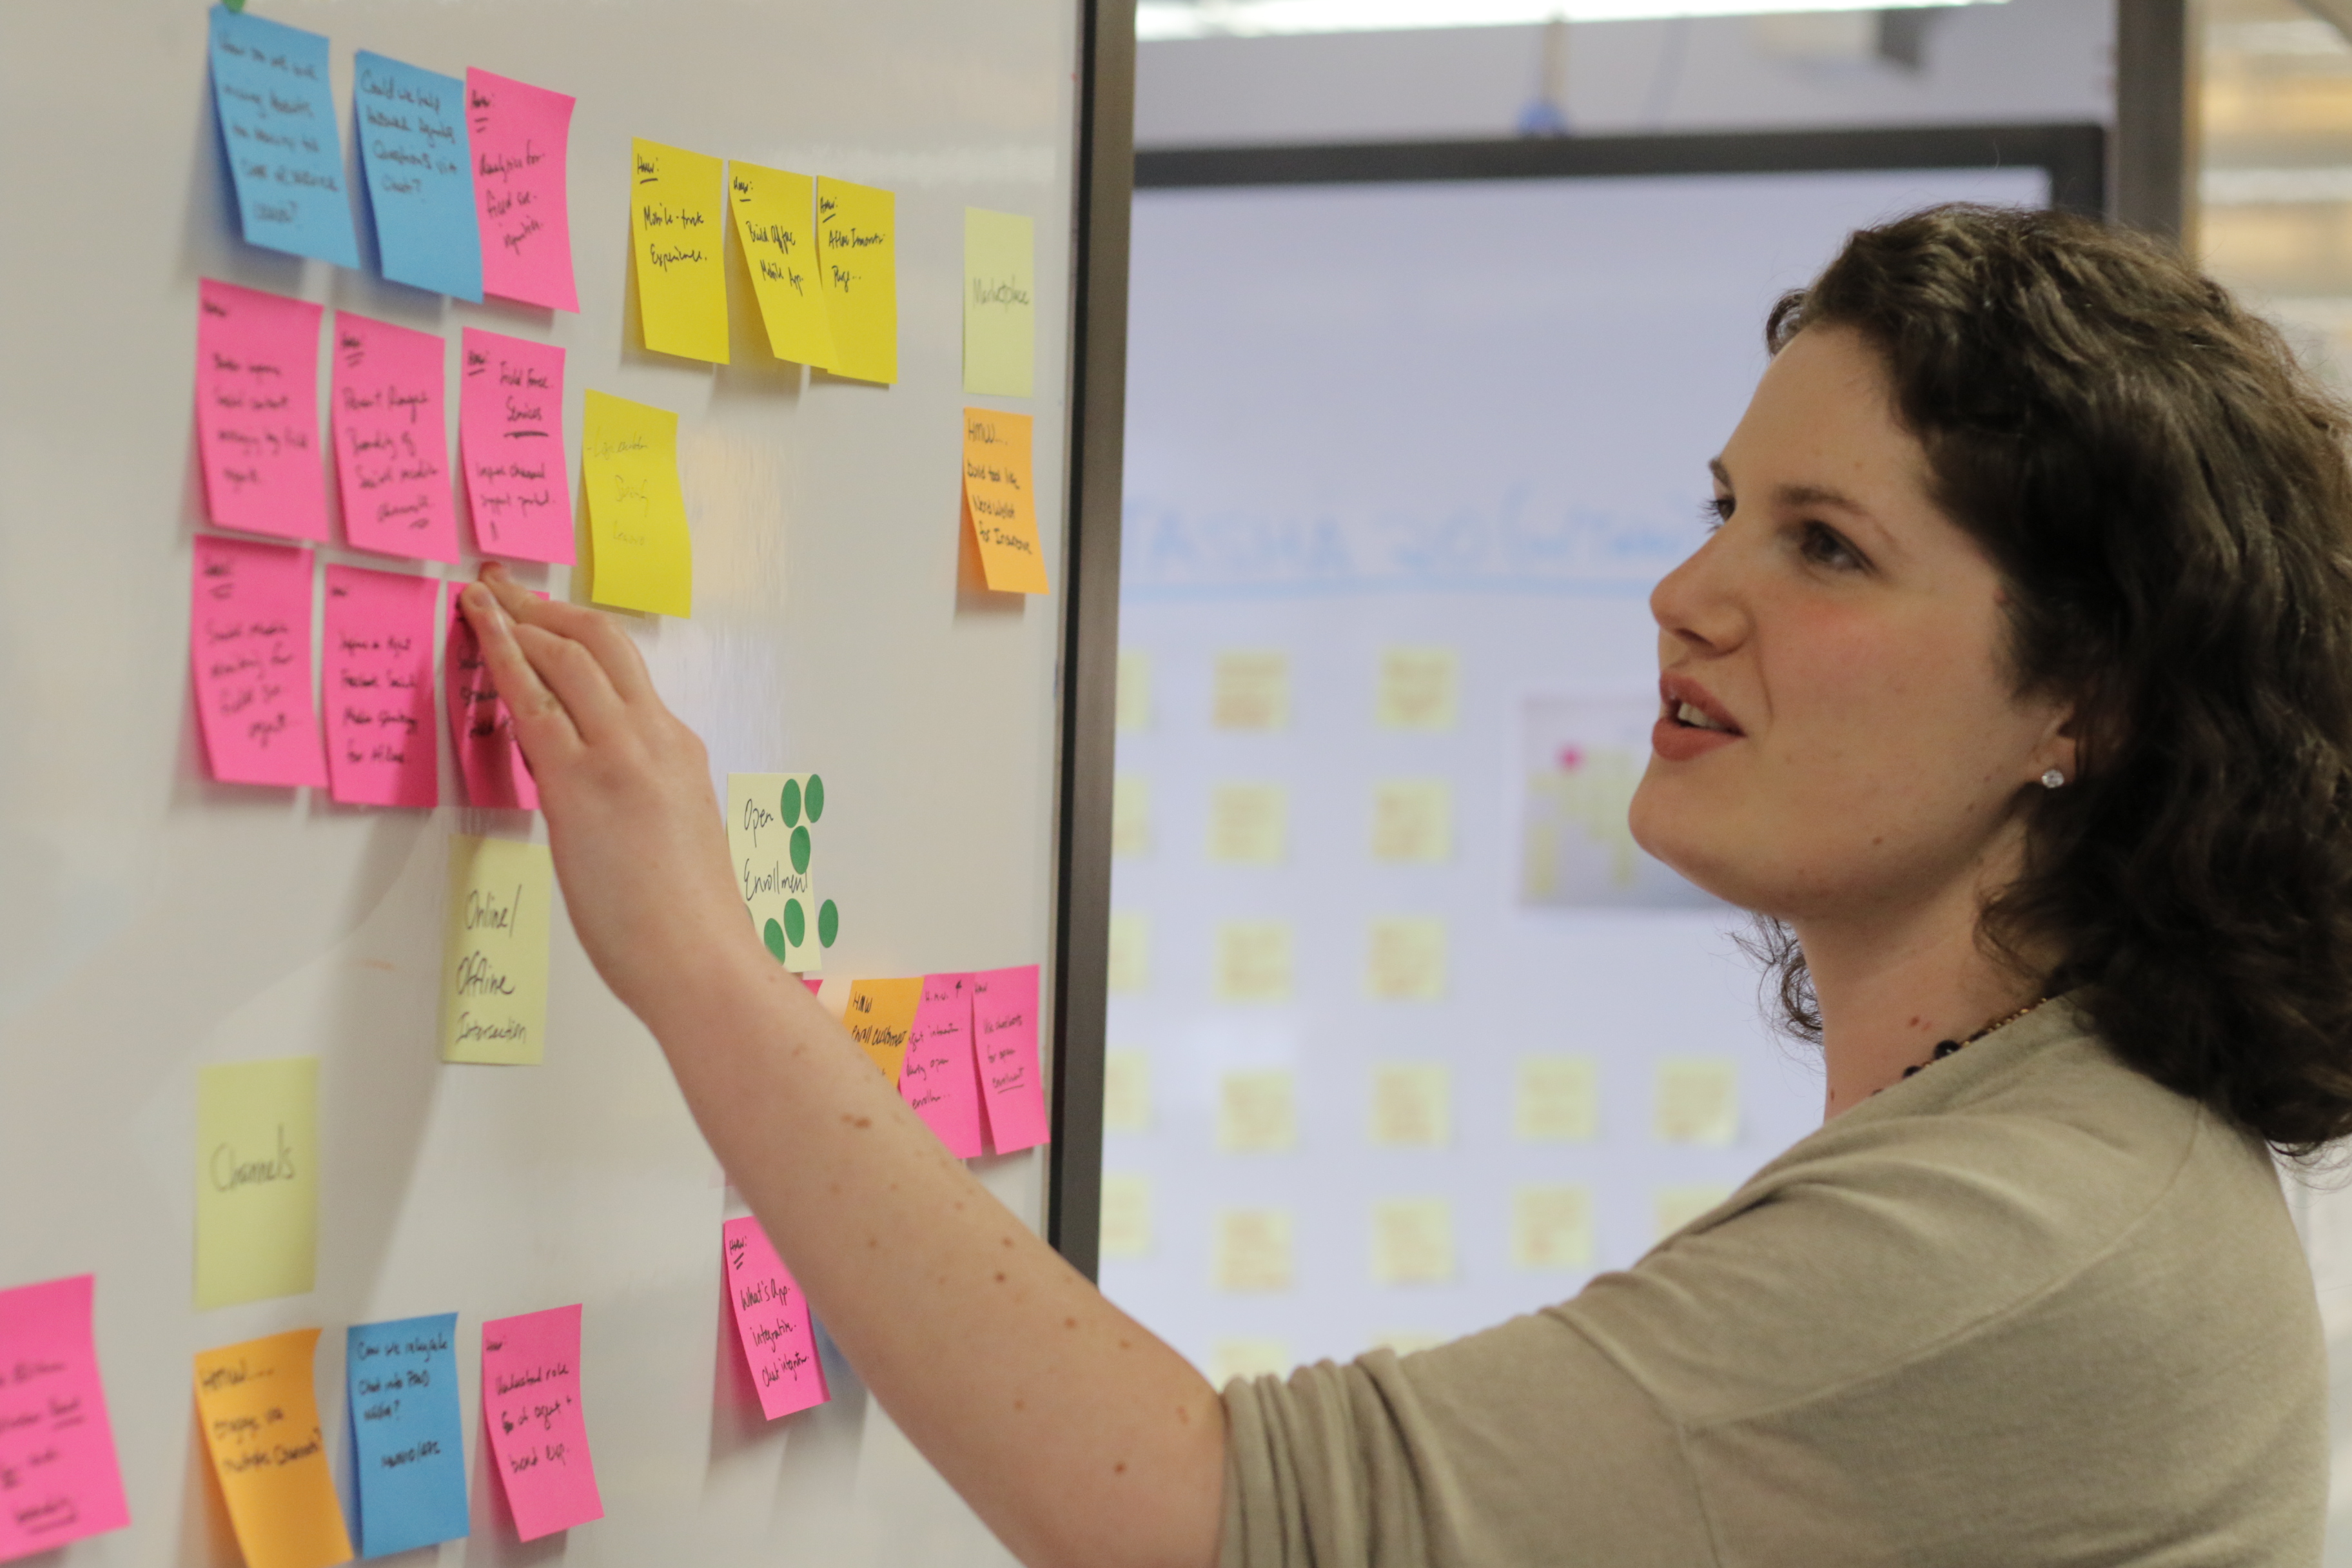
(1676, 740)
(1679, 743)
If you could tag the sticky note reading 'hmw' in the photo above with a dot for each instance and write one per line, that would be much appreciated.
(522, 137)
(420, 177)
(1004, 1038)
(392, 439)
(938, 1078)
(881, 1015)
(410, 1459)
(249, 652)
(857, 247)
(257, 1180)
(678, 240)
(59, 1479)
(488, 757)
(379, 681)
(771, 1319)
(775, 223)
(279, 129)
(1000, 311)
(999, 502)
(641, 556)
(510, 444)
(259, 1409)
(539, 1437)
(258, 411)
(494, 967)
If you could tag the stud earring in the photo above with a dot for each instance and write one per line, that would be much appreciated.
(2051, 778)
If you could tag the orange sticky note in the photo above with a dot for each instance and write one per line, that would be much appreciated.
(881, 1015)
(999, 501)
(260, 1418)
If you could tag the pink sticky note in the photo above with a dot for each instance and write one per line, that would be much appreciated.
(379, 687)
(258, 411)
(511, 443)
(539, 1440)
(1005, 1036)
(771, 1317)
(392, 439)
(250, 650)
(479, 725)
(521, 137)
(937, 1078)
(59, 1481)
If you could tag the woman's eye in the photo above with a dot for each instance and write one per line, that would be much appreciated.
(1716, 513)
(1823, 547)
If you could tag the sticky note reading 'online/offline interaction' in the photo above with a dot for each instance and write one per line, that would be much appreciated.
(489, 759)
(59, 1477)
(257, 1180)
(279, 129)
(1004, 1039)
(257, 412)
(999, 503)
(881, 1016)
(521, 137)
(677, 241)
(999, 310)
(392, 439)
(510, 444)
(938, 1078)
(408, 1438)
(775, 222)
(494, 968)
(771, 1320)
(857, 249)
(259, 1405)
(538, 1434)
(641, 556)
(379, 686)
(420, 177)
(249, 653)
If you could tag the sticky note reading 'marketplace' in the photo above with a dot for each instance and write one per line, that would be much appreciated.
(259, 1405)
(409, 1442)
(938, 1078)
(59, 1479)
(775, 223)
(258, 411)
(678, 240)
(379, 685)
(771, 1319)
(420, 175)
(539, 1437)
(493, 966)
(249, 652)
(488, 757)
(392, 439)
(857, 248)
(999, 501)
(999, 310)
(510, 444)
(1004, 1038)
(277, 126)
(522, 138)
(641, 556)
(881, 1015)
(257, 1180)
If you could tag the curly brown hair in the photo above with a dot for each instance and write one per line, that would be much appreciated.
(2164, 492)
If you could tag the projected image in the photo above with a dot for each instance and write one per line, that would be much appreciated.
(1580, 757)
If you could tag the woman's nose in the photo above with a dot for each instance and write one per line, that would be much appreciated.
(1698, 601)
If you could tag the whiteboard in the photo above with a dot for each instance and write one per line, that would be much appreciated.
(152, 922)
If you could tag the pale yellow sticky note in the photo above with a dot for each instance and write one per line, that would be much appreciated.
(1230, 1359)
(1406, 960)
(1412, 1105)
(1252, 1250)
(1249, 823)
(1130, 952)
(1557, 1100)
(880, 1015)
(1257, 1112)
(771, 823)
(999, 310)
(1551, 1229)
(1134, 703)
(857, 250)
(775, 223)
(257, 1180)
(1253, 961)
(259, 1405)
(1252, 691)
(678, 240)
(1413, 1241)
(1418, 687)
(999, 501)
(1698, 1101)
(1674, 1207)
(1127, 1089)
(642, 557)
(1126, 1215)
(1130, 815)
(1412, 820)
(494, 956)
(1407, 1341)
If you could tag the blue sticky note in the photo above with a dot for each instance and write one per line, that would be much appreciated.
(420, 175)
(409, 1445)
(278, 128)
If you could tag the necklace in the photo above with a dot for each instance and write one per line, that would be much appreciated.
(1952, 1048)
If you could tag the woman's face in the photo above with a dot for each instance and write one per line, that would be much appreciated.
(1838, 738)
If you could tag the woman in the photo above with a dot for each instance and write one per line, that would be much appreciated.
(2013, 690)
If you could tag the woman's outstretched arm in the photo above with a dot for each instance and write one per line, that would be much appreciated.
(1079, 1437)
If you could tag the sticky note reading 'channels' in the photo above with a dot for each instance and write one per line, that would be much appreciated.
(775, 223)
(257, 1180)
(379, 680)
(539, 1437)
(489, 759)
(420, 177)
(410, 1459)
(259, 1405)
(937, 1078)
(677, 241)
(258, 411)
(857, 249)
(641, 556)
(999, 310)
(493, 966)
(1004, 1038)
(278, 127)
(771, 1319)
(510, 444)
(59, 1479)
(249, 653)
(999, 501)
(880, 1018)
(391, 440)
(521, 137)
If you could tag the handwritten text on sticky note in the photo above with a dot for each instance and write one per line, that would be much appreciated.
(999, 310)
(379, 687)
(522, 137)
(1001, 501)
(419, 173)
(488, 757)
(1004, 1038)
(259, 1405)
(511, 443)
(392, 439)
(539, 1437)
(249, 652)
(277, 126)
(858, 249)
(257, 1180)
(775, 223)
(258, 411)
(937, 1078)
(410, 1459)
(494, 964)
(642, 554)
(771, 1319)
(881, 1014)
(678, 240)
(59, 1479)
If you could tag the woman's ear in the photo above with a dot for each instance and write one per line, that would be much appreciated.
(2057, 760)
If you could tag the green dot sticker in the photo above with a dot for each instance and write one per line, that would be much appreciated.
(828, 924)
(774, 935)
(800, 850)
(815, 798)
(795, 923)
(789, 803)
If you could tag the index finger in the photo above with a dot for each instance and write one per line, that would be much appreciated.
(594, 630)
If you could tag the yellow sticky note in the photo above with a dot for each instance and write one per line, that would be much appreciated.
(1130, 952)
(1252, 1250)
(642, 555)
(999, 502)
(259, 1409)
(1408, 1341)
(1127, 1090)
(1134, 703)
(1557, 1099)
(1000, 312)
(1249, 823)
(1412, 821)
(1551, 1229)
(1257, 1112)
(677, 241)
(881, 1013)
(1253, 961)
(1131, 816)
(857, 250)
(770, 846)
(1418, 687)
(1698, 1101)
(1406, 960)
(1413, 1241)
(1674, 1207)
(775, 223)
(1253, 1357)
(1252, 691)
(1412, 1105)
(494, 960)
(256, 1181)
(1126, 1215)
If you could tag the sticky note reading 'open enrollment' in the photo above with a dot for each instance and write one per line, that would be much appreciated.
(641, 556)
(999, 501)
(494, 969)
(258, 1406)
(59, 1478)
(539, 1436)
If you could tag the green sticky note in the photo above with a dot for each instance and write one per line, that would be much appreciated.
(256, 1181)
(999, 310)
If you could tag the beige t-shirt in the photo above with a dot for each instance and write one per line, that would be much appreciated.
(2024, 1308)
